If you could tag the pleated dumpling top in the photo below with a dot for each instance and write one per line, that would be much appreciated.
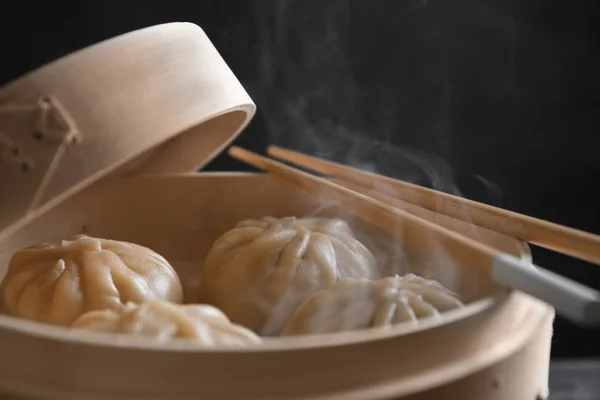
(354, 304)
(258, 272)
(56, 283)
(163, 321)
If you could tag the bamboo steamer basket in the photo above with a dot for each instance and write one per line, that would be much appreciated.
(123, 125)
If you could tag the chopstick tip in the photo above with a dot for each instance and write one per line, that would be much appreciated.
(233, 150)
(272, 150)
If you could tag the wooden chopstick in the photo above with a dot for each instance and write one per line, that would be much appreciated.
(453, 224)
(573, 300)
(559, 238)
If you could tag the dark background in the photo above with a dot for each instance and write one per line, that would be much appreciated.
(496, 100)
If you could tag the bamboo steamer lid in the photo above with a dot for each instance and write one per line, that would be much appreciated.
(153, 101)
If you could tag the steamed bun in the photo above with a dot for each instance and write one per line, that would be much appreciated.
(56, 283)
(360, 303)
(329, 226)
(163, 320)
(258, 272)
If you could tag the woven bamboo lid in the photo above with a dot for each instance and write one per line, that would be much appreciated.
(153, 101)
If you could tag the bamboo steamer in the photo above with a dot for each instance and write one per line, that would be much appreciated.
(123, 123)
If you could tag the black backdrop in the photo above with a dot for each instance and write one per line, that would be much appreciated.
(497, 100)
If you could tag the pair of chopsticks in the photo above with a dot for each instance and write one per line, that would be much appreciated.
(404, 205)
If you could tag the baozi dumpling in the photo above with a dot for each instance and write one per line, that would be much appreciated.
(258, 272)
(163, 320)
(56, 283)
(330, 226)
(361, 303)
